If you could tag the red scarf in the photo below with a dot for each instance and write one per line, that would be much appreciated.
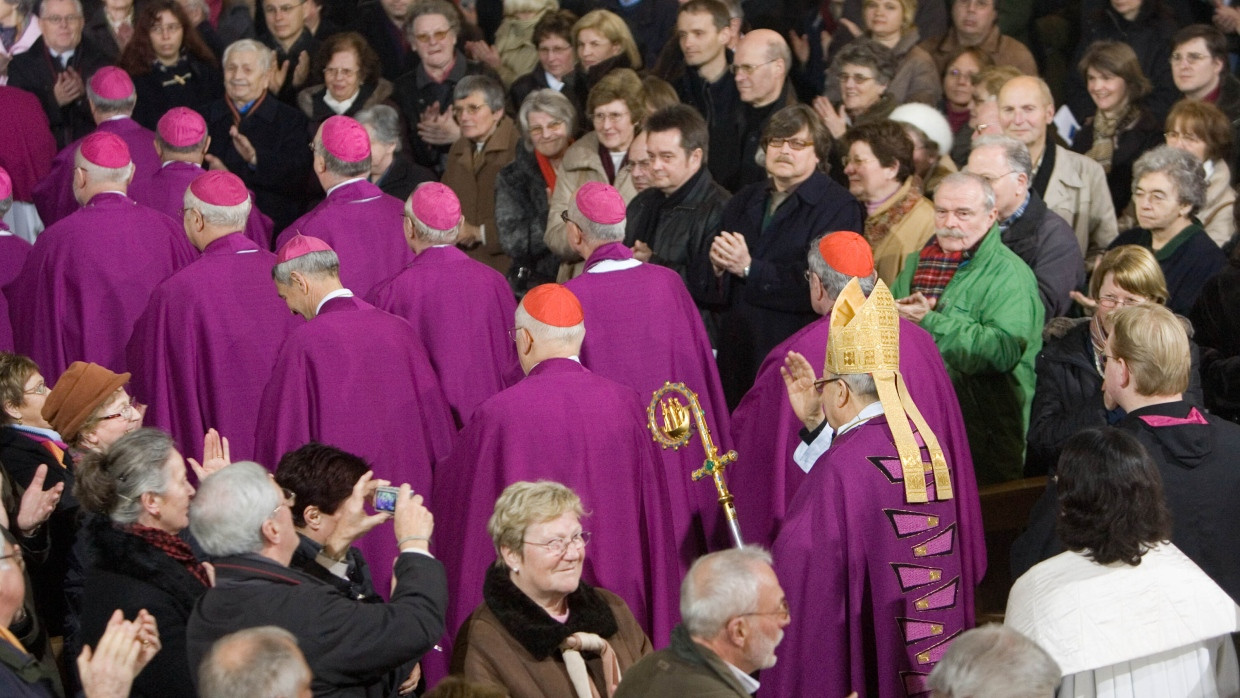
(547, 169)
(172, 546)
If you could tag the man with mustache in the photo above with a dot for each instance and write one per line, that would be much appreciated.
(980, 302)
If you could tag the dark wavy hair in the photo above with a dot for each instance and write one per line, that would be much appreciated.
(889, 142)
(1111, 504)
(138, 58)
(367, 59)
(321, 476)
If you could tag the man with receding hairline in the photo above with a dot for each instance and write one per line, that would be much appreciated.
(262, 662)
(760, 68)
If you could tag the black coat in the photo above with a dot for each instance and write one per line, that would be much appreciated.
(1047, 243)
(678, 228)
(190, 83)
(719, 103)
(403, 176)
(355, 648)
(305, 42)
(35, 71)
(1138, 135)
(521, 210)
(764, 309)
(1149, 35)
(416, 92)
(278, 132)
(1186, 267)
(358, 584)
(385, 38)
(1217, 326)
(536, 79)
(128, 573)
(652, 22)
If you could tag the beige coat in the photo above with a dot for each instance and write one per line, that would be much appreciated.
(917, 79)
(514, 41)
(581, 164)
(1003, 50)
(909, 234)
(1078, 191)
(472, 177)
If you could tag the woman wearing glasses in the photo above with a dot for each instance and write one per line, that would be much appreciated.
(1202, 129)
(540, 630)
(1068, 396)
(864, 71)
(351, 81)
(170, 64)
(890, 23)
(136, 558)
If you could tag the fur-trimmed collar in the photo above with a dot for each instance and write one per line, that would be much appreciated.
(118, 552)
(530, 625)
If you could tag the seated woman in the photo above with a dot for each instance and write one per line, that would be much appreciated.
(1122, 128)
(170, 64)
(352, 80)
(89, 407)
(547, 119)
(138, 560)
(604, 43)
(879, 167)
(390, 168)
(958, 98)
(1204, 130)
(1123, 611)
(538, 620)
(890, 23)
(1068, 396)
(1168, 189)
(864, 70)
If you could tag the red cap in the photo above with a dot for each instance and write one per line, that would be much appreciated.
(111, 83)
(219, 188)
(436, 205)
(6, 184)
(553, 304)
(847, 252)
(300, 245)
(103, 149)
(346, 139)
(600, 203)
(181, 127)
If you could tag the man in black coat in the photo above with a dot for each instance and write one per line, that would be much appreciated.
(705, 31)
(57, 67)
(257, 137)
(241, 519)
(754, 272)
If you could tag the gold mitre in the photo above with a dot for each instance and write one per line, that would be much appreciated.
(865, 338)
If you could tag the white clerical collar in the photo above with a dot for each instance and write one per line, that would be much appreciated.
(118, 116)
(613, 265)
(347, 181)
(338, 293)
(749, 683)
(867, 413)
(806, 455)
(339, 106)
(553, 83)
(574, 357)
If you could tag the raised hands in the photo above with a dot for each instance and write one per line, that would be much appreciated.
(37, 503)
(121, 654)
(215, 455)
(799, 379)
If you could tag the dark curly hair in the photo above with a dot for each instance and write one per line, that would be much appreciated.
(138, 58)
(367, 59)
(888, 141)
(1111, 504)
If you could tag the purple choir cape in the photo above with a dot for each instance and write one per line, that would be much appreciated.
(87, 280)
(366, 229)
(27, 146)
(357, 378)
(462, 309)
(766, 432)
(642, 329)
(878, 588)
(566, 424)
(13, 252)
(204, 349)
(53, 195)
(165, 191)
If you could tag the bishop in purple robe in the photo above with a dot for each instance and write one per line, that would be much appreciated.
(181, 142)
(462, 309)
(565, 423)
(353, 377)
(767, 430)
(872, 554)
(112, 98)
(13, 251)
(642, 330)
(357, 219)
(89, 277)
(204, 349)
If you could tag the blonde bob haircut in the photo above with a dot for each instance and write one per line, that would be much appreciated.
(1153, 343)
(1135, 270)
(523, 504)
(908, 11)
(611, 26)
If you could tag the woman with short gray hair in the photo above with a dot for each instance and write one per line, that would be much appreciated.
(863, 70)
(1168, 188)
(391, 169)
(890, 22)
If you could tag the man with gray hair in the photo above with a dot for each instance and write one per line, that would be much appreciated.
(994, 660)
(644, 331)
(980, 303)
(732, 612)
(257, 137)
(460, 307)
(350, 373)
(243, 519)
(262, 662)
(221, 305)
(361, 223)
(1038, 235)
(760, 68)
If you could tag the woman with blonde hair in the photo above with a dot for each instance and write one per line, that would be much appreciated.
(604, 43)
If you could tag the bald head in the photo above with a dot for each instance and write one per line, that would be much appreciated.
(1026, 108)
(761, 62)
(262, 662)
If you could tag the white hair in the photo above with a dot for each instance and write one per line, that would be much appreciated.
(233, 217)
(568, 336)
(719, 587)
(321, 263)
(95, 173)
(265, 55)
(995, 660)
(227, 514)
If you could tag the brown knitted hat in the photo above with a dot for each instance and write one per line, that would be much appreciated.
(82, 388)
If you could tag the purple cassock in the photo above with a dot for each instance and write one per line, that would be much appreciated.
(204, 349)
(567, 424)
(462, 309)
(642, 329)
(53, 196)
(13, 251)
(27, 146)
(366, 229)
(357, 378)
(165, 191)
(87, 280)
(878, 588)
(765, 430)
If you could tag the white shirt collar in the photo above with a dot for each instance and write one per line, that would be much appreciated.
(338, 293)
(613, 265)
(553, 83)
(749, 683)
(339, 106)
(347, 181)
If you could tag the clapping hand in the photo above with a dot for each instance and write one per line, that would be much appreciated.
(37, 503)
(215, 455)
(121, 654)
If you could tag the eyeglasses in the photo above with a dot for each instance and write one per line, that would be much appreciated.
(549, 129)
(991, 179)
(794, 143)
(564, 217)
(282, 9)
(746, 69)
(471, 109)
(128, 411)
(822, 383)
(783, 613)
(1183, 136)
(61, 19)
(957, 74)
(432, 37)
(40, 389)
(165, 29)
(1112, 301)
(512, 333)
(290, 501)
(1190, 58)
(857, 78)
(559, 546)
(342, 72)
(602, 117)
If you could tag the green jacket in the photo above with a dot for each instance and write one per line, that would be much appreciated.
(988, 326)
